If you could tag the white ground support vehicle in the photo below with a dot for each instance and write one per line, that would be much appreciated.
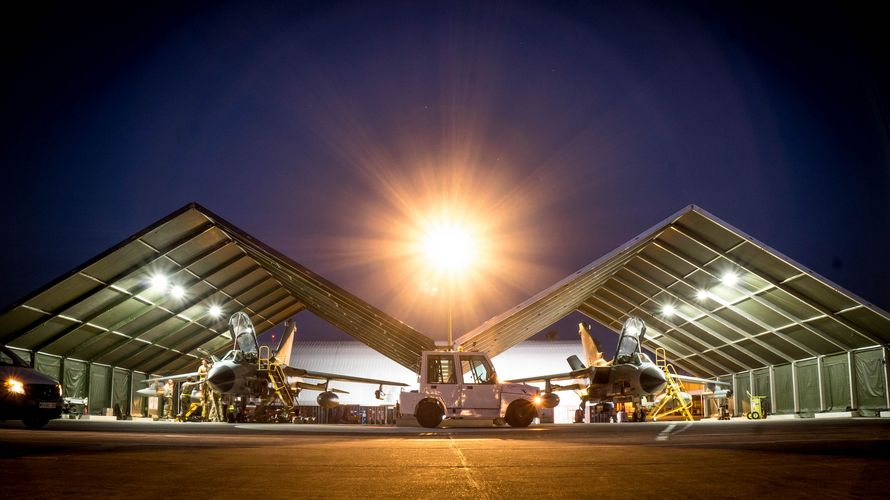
(463, 386)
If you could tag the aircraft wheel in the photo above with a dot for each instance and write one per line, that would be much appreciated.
(35, 423)
(755, 415)
(748, 416)
(520, 413)
(429, 413)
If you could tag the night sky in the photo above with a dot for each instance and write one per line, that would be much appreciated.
(572, 127)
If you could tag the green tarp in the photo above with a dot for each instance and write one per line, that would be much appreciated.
(836, 382)
(74, 383)
(48, 365)
(784, 381)
(743, 386)
(808, 386)
(870, 390)
(100, 377)
(121, 391)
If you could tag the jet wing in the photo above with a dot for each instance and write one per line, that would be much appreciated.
(180, 376)
(290, 371)
(572, 375)
(697, 380)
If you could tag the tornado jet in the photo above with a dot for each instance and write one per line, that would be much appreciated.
(628, 377)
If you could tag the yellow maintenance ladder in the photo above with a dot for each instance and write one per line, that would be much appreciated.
(272, 368)
(673, 391)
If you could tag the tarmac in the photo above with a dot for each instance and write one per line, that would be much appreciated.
(739, 459)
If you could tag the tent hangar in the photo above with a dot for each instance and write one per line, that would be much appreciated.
(720, 304)
(149, 303)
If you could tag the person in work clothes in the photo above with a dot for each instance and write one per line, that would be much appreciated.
(168, 400)
(202, 375)
(185, 397)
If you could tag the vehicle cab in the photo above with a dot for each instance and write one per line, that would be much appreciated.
(456, 385)
(25, 393)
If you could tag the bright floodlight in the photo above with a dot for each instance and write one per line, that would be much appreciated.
(158, 282)
(701, 295)
(729, 278)
(449, 247)
(177, 291)
(215, 311)
(668, 310)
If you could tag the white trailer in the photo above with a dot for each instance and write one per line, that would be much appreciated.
(458, 385)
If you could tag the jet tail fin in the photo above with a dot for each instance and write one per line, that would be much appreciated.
(590, 346)
(283, 352)
(575, 363)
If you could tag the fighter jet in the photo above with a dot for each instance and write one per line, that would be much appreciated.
(252, 371)
(630, 376)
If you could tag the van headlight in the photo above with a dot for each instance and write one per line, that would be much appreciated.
(59, 388)
(13, 385)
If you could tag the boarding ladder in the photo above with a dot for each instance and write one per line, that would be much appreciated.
(273, 369)
(673, 391)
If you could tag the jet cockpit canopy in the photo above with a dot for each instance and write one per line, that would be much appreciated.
(244, 334)
(630, 342)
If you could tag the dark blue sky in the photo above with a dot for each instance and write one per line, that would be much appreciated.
(582, 124)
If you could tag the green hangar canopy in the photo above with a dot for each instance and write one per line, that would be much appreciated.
(150, 302)
(715, 299)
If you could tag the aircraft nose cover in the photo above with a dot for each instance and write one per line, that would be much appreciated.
(221, 379)
(652, 380)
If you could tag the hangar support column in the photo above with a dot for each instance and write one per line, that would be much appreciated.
(772, 389)
(851, 369)
(819, 368)
(794, 389)
(111, 391)
(886, 377)
(89, 383)
(735, 395)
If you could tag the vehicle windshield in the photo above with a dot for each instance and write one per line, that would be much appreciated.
(476, 370)
(9, 358)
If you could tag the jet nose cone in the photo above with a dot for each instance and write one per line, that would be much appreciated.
(221, 378)
(652, 380)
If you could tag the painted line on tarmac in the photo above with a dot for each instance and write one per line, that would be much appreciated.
(466, 467)
(665, 434)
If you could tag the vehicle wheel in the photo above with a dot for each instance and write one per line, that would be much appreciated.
(520, 413)
(500, 422)
(35, 423)
(748, 415)
(755, 415)
(429, 413)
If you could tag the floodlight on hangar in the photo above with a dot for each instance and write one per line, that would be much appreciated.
(729, 278)
(702, 295)
(215, 311)
(668, 310)
(159, 282)
(177, 291)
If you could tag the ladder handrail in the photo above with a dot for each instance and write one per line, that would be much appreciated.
(674, 390)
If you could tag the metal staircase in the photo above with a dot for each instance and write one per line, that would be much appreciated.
(673, 391)
(272, 368)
